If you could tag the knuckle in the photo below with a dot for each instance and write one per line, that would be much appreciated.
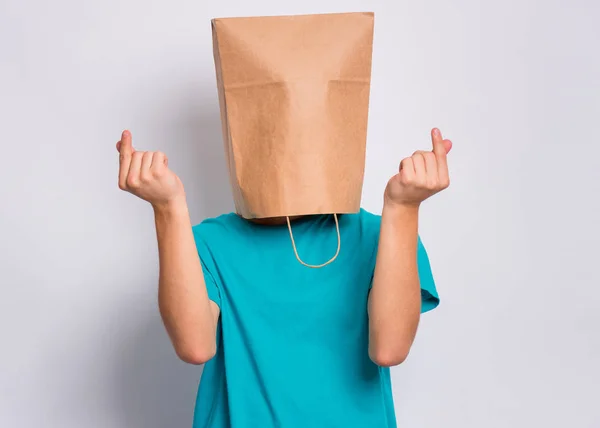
(133, 182)
(432, 182)
(122, 185)
(410, 180)
(158, 172)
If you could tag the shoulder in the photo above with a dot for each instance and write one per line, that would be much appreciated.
(213, 230)
(365, 222)
(361, 228)
(369, 219)
(215, 225)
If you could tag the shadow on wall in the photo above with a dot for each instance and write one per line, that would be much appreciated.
(152, 388)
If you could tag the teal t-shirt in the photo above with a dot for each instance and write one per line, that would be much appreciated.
(292, 342)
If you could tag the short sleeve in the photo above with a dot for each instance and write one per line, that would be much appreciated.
(429, 295)
(208, 268)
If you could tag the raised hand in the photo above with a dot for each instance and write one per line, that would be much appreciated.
(147, 175)
(422, 175)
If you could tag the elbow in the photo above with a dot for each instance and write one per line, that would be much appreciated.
(196, 355)
(389, 357)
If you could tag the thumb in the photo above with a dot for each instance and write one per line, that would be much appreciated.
(125, 146)
(439, 147)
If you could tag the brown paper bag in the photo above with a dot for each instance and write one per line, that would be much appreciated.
(294, 97)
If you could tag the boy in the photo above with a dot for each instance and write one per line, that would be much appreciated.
(285, 345)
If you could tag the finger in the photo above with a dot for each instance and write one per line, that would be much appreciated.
(407, 170)
(448, 146)
(431, 167)
(145, 168)
(442, 162)
(159, 161)
(126, 146)
(442, 165)
(420, 171)
(125, 151)
(133, 176)
(119, 146)
(438, 142)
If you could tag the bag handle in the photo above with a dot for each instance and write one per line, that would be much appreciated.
(337, 228)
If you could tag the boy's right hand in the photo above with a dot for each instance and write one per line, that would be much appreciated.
(147, 175)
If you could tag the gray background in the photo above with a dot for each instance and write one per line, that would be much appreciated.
(513, 242)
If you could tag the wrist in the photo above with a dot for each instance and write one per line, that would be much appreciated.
(396, 209)
(400, 220)
(172, 207)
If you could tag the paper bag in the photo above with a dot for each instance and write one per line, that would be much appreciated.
(294, 97)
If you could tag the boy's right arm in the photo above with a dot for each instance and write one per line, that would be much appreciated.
(189, 316)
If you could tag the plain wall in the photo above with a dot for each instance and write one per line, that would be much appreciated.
(513, 241)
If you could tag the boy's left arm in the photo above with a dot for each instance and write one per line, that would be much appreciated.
(395, 298)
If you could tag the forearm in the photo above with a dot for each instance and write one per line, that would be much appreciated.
(183, 301)
(395, 298)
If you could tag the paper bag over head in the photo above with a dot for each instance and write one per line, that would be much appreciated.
(294, 98)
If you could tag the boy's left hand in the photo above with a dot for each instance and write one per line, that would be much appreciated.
(422, 175)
